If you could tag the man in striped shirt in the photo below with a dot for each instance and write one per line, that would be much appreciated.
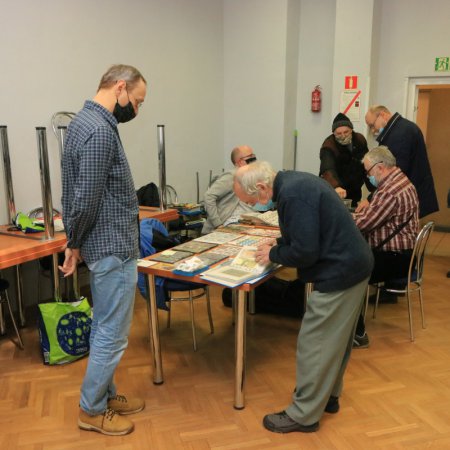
(390, 222)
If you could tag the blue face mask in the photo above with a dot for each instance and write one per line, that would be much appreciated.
(376, 134)
(261, 208)
(373, 180)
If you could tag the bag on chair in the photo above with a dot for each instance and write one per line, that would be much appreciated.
(64, 330)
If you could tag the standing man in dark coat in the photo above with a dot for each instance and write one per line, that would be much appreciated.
(405, 140)
(319, 237)
(340, 160)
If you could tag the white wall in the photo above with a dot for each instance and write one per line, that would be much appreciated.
(316, 56)
(220, 72)
(411, 34)
(54, 53)
(254, 77)
(407, 37)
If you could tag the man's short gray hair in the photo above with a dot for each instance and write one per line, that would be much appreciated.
(377, 109)
(381, 154)
(129, 74)
(256, 172)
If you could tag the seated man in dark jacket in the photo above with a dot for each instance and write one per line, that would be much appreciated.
(340, 160)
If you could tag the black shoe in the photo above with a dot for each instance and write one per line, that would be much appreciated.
(282, 423)
(361, 341)
(332, 406)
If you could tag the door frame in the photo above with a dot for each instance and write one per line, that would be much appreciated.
(412, 86)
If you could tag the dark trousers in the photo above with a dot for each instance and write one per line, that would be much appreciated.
(388, 266)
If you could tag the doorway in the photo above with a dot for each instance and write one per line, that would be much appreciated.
(428, 105)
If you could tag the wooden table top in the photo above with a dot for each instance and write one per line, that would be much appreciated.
(151, 212)
(16, 249)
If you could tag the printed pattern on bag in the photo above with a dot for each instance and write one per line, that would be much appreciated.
(73, 332)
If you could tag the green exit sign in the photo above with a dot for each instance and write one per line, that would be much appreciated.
(442, 64)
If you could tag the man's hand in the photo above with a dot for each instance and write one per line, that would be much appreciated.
(72, 258)
(363, 204)
(341, 192)
(262, 252)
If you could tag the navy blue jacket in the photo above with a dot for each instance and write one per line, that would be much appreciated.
(405, 140)
(318, 234)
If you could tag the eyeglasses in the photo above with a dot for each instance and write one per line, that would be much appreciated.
(249, 158)
(371, 167)
(372, 125)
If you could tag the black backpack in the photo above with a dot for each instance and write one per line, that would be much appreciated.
(148, 195)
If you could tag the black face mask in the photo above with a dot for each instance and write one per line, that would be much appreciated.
(124, 113)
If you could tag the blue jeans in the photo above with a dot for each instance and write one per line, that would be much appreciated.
(113, 287)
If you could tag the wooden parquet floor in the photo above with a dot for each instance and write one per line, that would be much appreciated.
(396, 395)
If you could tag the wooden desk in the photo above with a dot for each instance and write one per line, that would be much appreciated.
(240, 326)
(151, 212)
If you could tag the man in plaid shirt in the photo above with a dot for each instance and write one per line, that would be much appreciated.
(390, 222)
(100, 214)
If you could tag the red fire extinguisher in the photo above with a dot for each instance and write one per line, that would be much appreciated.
(316, 99)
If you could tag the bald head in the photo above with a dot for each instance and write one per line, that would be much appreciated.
(242, 155)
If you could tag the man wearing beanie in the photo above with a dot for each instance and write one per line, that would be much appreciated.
(340, 160)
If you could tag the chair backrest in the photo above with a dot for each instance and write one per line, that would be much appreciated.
(171, 195)
(417, 259)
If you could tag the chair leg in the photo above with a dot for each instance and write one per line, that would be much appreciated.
(170, 309)
(2, 318)
(375, 306)
(421, 307)
(13, 320)
(19, 290)
(191, 308)
(366, 302)
(251, 302)
(408, 301)
(208, 308)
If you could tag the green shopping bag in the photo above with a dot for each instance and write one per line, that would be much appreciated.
(64, 330)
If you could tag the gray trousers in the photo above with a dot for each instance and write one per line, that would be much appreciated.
(324, 345)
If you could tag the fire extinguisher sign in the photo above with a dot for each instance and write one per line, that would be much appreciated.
(351, 99)
(351, 82)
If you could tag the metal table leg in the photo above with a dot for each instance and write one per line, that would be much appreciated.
(239, 387)
(153, 325)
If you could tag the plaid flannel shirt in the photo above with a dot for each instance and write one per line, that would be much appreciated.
(393, 203)
(100, 207)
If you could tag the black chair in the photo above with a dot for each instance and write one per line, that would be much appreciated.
(4, 298)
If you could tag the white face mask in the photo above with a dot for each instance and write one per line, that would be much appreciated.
(344, 140)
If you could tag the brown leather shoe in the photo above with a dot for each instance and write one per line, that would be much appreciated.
(123, 405)
(108, 423)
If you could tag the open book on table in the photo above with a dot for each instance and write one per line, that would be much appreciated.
(239, 270)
